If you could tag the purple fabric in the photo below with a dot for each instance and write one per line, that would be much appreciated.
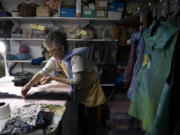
(132, 57)
(137, 66)
(23, 49)
(130, 65)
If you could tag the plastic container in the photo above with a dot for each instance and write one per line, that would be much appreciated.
(68, 12)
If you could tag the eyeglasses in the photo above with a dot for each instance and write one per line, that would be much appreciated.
(53, 51)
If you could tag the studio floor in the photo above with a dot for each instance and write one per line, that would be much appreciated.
(104, 131)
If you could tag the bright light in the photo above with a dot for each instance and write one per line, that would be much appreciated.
(7, 78)
(2, 47)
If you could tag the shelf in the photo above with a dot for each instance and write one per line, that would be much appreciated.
(95, 40)
(21, 39)
(110, 84)
(21, 61)
(131, 19)
(106, 63)
(73, 40)
(122, 67)
(29, 61)
(57, 19)
(124, 45)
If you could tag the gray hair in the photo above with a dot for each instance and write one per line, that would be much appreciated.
(55, 39)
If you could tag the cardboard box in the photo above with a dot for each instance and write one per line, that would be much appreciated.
(42, 11)
(114, 15)
(88, 13)
(101, 4)
(27, 33)
(116, 6)
(68, 12)
(101, 13)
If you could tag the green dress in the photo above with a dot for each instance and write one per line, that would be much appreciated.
(151, 84)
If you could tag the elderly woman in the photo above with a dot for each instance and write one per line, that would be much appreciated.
(79, 74)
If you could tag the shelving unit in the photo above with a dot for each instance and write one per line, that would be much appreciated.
(21, 61)
(73, 40)
(66, 21)
(58, 18)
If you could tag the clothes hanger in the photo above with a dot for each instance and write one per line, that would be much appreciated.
(162, 18)
(156, 26)
(176, 14)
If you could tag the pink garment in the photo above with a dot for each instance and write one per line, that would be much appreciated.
(130, 65)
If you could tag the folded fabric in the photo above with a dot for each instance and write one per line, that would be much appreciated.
(11, 56)
(37, 61)
(28, 118)
(119, 79)
(16, 126)
(21, 78)
(23, 56)
(54, 91)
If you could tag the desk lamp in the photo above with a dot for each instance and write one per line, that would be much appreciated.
(7, 77)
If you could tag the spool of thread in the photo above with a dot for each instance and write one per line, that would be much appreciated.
(5, 111)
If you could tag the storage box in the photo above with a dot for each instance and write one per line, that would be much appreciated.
(68, 12)
(116, 6)
(101, 4)
(114, 15)
(42, 11)
(101, 13)
(27, 33)
(88, 13)
(119, 121)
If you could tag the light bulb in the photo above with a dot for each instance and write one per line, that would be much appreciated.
(7, 78)
(2, 47)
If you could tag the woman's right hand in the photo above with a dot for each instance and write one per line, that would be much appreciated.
(45, 79)
(24, 91)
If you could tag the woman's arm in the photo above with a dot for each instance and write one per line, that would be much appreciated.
(61, 79)
(77, 77)
(36, 78)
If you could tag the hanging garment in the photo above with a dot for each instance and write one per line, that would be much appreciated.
(167, 116)
(154, 71)
(132, 58)
(140, 54)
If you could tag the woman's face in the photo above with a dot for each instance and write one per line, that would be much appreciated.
(57, 53)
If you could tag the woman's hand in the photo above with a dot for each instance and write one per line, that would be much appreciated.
(45, 79)
(24, 91)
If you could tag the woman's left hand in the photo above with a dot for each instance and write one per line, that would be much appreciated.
(45, 79)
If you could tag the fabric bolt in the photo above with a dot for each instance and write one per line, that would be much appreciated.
(137, 66)
(37, 61)
(40, 95)
(158, 53)
(49, 96)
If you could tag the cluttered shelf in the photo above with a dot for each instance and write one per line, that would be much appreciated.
(67, 18)
(73, 40)
(21, 61)
(29, 61)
